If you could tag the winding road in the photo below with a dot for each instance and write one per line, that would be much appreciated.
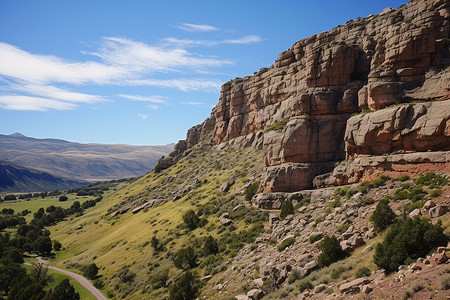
(83, 281)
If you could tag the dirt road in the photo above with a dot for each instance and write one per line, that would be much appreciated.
(83, 281)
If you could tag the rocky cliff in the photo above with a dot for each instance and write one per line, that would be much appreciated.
(303, 102)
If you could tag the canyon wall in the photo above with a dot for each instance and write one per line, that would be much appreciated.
(304, 101)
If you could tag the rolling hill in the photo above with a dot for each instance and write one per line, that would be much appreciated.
(18, 179)
(75, 161)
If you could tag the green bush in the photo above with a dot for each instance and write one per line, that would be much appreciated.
(401, 178)
(368, 201)
(286, 209)
(406, 240)
(337, 272)
(416, 194)
(191, 219)
(400, 194)
(331, 251)
(431, 178)
(383, 216)
(305, 285)
(286, 243)
(210, 246)
(436, 193)
(314, 238)
(335, 203)
(361, 272)
(343, 227)
(445, 281)
(251, 190)
(303, 202)
(276, 126)
(185, 288)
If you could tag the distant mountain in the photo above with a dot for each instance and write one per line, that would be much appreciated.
(77, 161)
(18, 179)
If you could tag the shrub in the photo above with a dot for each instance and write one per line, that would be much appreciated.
(9, 197)
(335, 203)
(186, 288)
(331, 251)
(430, 178)
(337, 272)
(383, 216)
(276, 126)
(368, 201)
(185, 259)
(343, 227)
(191, 219)
(314, 238)
(445, 281)
(160, 279)
(401, 178)
(210, 246)
(56, 245)
(435, 193)
(305, 285)
(303, 202)
(361, 272)
(90, 271)
(400, 194)
(417, 193)
(126, 276)
(63, 198)
(408, 239)
(286, 209)
(286, 243)
(251, 190)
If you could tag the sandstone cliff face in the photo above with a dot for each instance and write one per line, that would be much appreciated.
(398, 55)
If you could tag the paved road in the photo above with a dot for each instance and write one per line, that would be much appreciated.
(83, 281)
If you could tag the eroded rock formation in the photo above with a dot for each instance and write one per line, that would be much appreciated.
(399, 55)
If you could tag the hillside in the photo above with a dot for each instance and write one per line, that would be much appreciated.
(343, 141)
(19, 179)
(83, 162)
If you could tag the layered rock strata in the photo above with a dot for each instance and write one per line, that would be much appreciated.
(399, 55)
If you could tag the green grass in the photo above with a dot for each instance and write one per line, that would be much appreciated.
(35, 203)
(58, 277)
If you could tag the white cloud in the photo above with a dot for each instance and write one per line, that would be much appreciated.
(37, 68)
(192, 103)
(55, 93)
(181, 84)
(197, 27)
(185, 43)
(19, 102)
(154, 99)
(152, 106)
(249, 39)
(143, 116)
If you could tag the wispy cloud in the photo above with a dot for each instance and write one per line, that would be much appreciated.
(154, 99)
(249, 39)
(19, 102)
(185, 43)
(143, 116)
(180, 84)
(197, 27)
(192, 103)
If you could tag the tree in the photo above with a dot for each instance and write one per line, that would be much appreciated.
(91, 271)
(185, 259)
(331, 251)
(210, 246)
(191, 219)
(63, 198)
(9, 271)
(40, 274)
(286, 209)
(155, 243)
(56, 245)
(186, 288)
(251, 190)
(43, 245)
(9, 197)
(408, 240)
(63, 291)
(26, 289)
(383, 216)
(160, 279)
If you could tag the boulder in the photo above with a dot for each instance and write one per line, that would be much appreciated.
(224, 219)
(255, 294)
(353, 286)
(438, 211)
(225, 187)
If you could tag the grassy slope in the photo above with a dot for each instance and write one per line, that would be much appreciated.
(115, 242)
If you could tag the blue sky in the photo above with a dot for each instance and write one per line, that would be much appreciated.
(141, 72)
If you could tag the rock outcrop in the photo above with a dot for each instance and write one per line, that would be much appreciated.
(297, 109)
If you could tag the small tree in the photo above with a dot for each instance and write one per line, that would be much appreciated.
(160, 279)
(383, 216)
(331, 251)
(286, 209)
(91, 271)
(56, 245)
(64, 290)
(185, 259)
(191, 219)
(210, 246)
(186, 288)
(43, 245)
(251, 190)
(155, 243)
(63, 198)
